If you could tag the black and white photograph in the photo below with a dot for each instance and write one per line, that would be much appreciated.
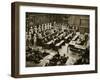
(57, 39)
(51, 39)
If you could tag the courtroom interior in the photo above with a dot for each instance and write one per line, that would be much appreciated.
(56, 39)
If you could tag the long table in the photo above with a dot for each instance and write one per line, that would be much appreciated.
(68, 36)
(58, 44)
(50, 42)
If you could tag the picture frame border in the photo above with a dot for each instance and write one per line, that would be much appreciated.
(15, 38)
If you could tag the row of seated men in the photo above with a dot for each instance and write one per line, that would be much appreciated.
(61, 40)
(55, 36)
(55, 41)
(48, 33)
